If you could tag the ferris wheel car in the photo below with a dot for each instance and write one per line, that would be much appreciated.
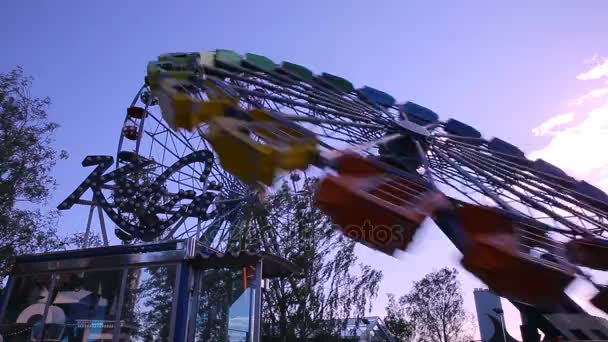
(255, 150)
(551, 172)
(589, 252)
(381, 211)
(336, 82)
(351, 164)
(136, 112)
(517, 275)
(500, 255)
(503, 149)
(600, 300)
(401, 152)
(228, 59)
(591, 194)
(130, 132)
(460, 129)
(370, 206)
(375, 96)
(168, 68)
(259, 62)
(180, 58)
(296, 71)
(418, 114)
(181, 110)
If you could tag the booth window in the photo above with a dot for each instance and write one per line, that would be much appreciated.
(25, 309)
(225, 306)
(146, 312)
(89, 302)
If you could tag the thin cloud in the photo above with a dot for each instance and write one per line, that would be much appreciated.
(547, 127)
(590, 95)
(596, 72)
(580, 149)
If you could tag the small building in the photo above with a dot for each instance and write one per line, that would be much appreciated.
(367, 329)
(168, 291)
(490, 317)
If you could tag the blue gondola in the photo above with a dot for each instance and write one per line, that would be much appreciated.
(548, 168)
(589, 190)
(456, 127)
(501, 146)
(375, 96)
(418, 114)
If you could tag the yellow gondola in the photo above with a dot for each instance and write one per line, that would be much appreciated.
(182, 110)
(257, 146)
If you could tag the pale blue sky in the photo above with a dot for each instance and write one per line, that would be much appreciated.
(503, 67)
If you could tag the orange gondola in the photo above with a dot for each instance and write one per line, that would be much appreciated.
(479, 220)
(499, 255)
(589, 252)
(380, 210)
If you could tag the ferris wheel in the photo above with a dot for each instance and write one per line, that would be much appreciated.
(195, 196)
(208, 131)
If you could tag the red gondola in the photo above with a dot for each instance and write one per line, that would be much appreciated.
(498, 255)
(589, 252)
(130, 132)
(136, 112)
(373, 207)
(600, 300)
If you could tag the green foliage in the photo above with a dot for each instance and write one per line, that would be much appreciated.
(433, 310)
(333, 285)
(219, 291)
(148, 302)
(26, 159)
(157, 295)
(76, 240)
(396, 320)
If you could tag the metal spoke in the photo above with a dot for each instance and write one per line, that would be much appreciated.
(523, 183)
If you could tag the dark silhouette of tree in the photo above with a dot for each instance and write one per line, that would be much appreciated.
(219, 290)
(26, 159)
(148, 302)
(433, 310)
(396, 320)
(76, 240)
(333, 285)
(157, 294)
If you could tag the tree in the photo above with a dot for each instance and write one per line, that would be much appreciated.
(220, 290)
(396, 320)
(432, 311)
(155, 298)
(76, 240)
(26, 159)
(333, 285)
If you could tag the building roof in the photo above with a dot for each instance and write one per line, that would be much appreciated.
(272, 266)
(367, 329)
